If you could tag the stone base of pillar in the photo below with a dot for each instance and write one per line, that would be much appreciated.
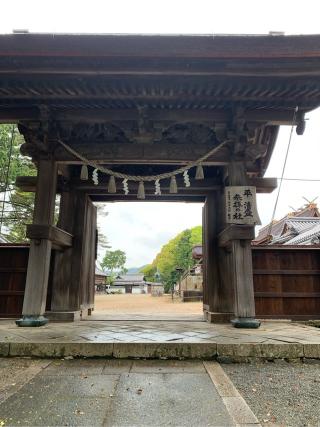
(32, 321)
(63, 316)
(86, 311)
(246, 322)
(212, 317)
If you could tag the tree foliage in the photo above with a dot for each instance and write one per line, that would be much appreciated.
(19, 165)
(149, 272)
(17, 206)
(102, 238)
(114, 261)
(177, 253)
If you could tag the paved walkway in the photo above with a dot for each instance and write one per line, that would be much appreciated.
(160, 339)
(119, 393)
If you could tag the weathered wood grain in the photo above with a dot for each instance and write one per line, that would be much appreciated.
(235, 232)
(34, 303)
(60, 238)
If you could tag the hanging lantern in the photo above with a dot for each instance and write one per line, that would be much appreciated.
(84, 173)
(141, 193)
(112, 188)
(173, 185)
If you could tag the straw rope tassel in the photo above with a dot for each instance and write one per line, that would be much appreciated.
(112, 188)
(173, 185)
(199, 172)
(84, 175)
(141, 193)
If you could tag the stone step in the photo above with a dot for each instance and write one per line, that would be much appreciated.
(146, 350)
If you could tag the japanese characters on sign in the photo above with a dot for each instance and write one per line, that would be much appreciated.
(241, 206)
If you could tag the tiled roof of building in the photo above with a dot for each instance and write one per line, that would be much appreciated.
(294, 227)
(295, 222)
(307, 237)
(130, 278)
(99, 272)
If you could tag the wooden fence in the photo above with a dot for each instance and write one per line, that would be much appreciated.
(286, 281)
(13, 270)
(13, 273)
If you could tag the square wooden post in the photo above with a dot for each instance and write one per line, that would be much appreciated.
(211, 282)
(74, 269)
(218, 290)
(241, 262)
(35, 295)
(63, 260)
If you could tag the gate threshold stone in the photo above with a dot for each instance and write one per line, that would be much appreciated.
(207, 351)
(161, 340)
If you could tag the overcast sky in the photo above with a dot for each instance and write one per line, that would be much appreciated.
(142, 228)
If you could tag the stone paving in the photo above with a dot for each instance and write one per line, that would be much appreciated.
(113, 393)
(159, 331)
(143, 339)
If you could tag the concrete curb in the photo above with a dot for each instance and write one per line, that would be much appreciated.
(236, 406)
(207, 351)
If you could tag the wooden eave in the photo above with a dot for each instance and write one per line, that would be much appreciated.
(79, 78)
(174, 46)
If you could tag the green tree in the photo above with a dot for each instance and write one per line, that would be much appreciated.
(16, 207)
(102, 238)
(18, 215)
(10, 141)
(114, 261)
(177, 253)
(149, 272)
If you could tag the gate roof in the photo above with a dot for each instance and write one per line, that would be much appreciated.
(146, 84)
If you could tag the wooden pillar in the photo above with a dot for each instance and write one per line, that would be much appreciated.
(241, 262)
(218, 287)
(63, 260)
(210, 256)
(74, 269)
(78, 260)
(34, 302)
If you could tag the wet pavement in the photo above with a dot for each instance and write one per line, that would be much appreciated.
(121, 392)
(110, 393)
(159, 332)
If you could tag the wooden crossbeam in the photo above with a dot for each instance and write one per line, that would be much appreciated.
(142, 46)
(10, 114)
(235, 232)
(165, 197)
(59, 238)
(263, 185)
(140, 153)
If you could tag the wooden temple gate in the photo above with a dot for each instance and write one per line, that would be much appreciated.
(143, 106)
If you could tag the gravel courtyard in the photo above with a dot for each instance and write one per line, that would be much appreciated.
(145, 305)
(281, 393)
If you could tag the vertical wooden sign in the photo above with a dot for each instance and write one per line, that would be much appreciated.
(241, 205)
